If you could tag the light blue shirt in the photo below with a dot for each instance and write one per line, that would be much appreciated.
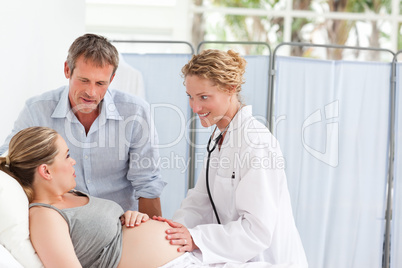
(117, 159)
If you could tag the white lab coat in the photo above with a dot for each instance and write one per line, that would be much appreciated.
(128, 79)
(254, 207)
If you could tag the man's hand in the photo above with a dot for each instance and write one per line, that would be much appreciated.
(152, 207)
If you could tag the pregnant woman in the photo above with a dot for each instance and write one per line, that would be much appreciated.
(69, 228)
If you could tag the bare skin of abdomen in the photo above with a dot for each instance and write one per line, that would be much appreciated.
(146, 246)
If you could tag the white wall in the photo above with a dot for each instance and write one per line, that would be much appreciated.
(35, 37)
(141, 20)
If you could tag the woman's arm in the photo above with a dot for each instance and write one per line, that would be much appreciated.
(51, 238)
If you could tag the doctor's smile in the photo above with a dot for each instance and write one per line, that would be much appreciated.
(204, 115)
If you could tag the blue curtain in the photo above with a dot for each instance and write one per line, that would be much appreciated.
(165, 92)
(333, 123)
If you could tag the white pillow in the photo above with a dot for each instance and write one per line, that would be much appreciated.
(7, 260)
(14, 223)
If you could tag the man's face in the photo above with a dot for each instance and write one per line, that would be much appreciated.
(88, 85)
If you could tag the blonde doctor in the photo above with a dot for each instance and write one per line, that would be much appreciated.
(239, 210)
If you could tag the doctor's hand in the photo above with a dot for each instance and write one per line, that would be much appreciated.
(178, 235)
(133, 218)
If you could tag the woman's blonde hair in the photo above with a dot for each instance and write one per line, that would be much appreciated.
(225, 69)
(28, 149)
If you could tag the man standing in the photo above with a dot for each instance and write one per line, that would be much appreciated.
(109, 133)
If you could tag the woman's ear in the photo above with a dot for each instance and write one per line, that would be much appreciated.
(231, 90)
(44, 172)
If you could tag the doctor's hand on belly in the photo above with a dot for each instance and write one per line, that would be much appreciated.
(178, 235)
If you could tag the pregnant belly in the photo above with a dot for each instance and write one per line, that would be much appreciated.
(146, 246)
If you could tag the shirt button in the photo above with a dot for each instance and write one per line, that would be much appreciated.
(111, 107)
(89, 181)
(86, 157)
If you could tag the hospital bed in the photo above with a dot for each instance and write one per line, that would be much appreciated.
(338, 127)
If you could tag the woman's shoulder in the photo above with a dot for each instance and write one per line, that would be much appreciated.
(255, 130)
(257, 139)
(43, 214)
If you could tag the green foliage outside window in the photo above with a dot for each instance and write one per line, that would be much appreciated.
(332, 31)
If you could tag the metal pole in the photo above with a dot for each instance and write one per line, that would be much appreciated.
(156, 42)
(388, 214)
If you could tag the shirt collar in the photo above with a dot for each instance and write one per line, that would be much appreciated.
(108, 107)
(63, 106)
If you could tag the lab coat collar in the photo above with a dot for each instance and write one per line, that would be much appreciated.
(239, 119)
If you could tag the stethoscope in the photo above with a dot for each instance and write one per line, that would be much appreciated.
(210, 150)
(207, 170)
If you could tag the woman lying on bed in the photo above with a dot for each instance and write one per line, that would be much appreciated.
(69, 228)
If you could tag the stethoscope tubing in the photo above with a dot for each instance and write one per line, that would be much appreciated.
(220, 136)
(207, 173)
